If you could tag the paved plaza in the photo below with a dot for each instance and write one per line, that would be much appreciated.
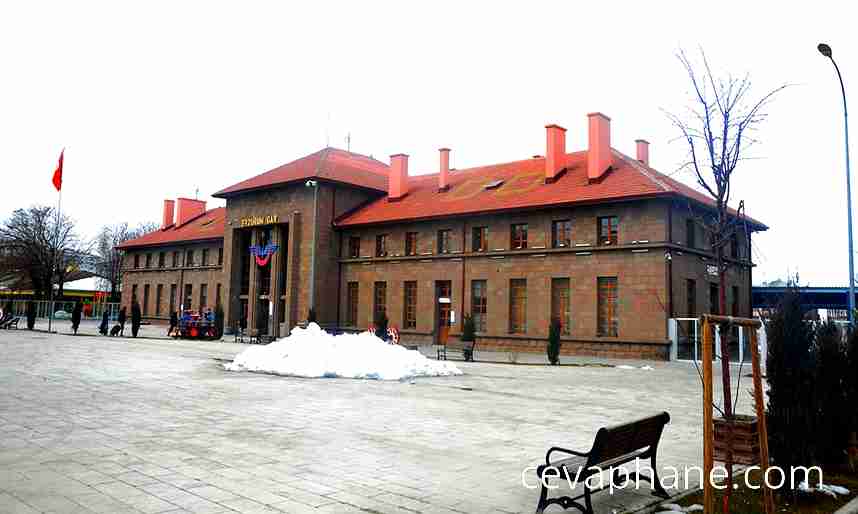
(91, 424)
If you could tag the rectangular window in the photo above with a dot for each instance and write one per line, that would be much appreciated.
(518, 236)
(560, 305)
(561, 234)
(734, 246)
(189, 258)
(172, 298)
(691, 298)
(159, 292)
(411, 243)
(189, 296)
(162, 258)
(381, 245)
(175, 259)
(146, 300)
(352, 304)
(609, 227)
(734, 309)
(479, 239)
(409, 316)
(444, 240)
(204, 296)
(354, 247)
(713, 298)
(205, 261)
(220, 256)
(690, 233)
(379, 299)
(479, 304)
(136, 261)
(148, 260)
(217, 296)
(518, 306)
(607, 306)
(134, 297)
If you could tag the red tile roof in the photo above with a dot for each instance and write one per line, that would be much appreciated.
(209, 225)
(523, 187)
(329, 163)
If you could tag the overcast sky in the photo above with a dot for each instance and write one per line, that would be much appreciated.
(153, 100)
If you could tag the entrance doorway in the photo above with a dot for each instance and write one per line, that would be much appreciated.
(443, 306)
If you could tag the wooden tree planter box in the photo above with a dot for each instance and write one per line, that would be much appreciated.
(746, 440)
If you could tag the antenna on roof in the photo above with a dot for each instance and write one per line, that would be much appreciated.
(349, 142)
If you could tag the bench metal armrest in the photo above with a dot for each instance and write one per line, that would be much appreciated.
(562, 450)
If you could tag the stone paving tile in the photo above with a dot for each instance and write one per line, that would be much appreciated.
(104, 425)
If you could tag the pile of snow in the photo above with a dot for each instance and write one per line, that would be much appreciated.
(314, 353)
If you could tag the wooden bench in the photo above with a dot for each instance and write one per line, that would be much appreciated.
(463, 348)
(612, 447)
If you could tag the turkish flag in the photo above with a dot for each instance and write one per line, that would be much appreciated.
(58, 173)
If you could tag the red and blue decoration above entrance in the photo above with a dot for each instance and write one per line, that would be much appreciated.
(263, 253)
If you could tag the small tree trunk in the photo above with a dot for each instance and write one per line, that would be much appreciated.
(725, 370)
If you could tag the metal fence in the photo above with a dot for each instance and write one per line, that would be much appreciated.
(91, 311)
(685, 334)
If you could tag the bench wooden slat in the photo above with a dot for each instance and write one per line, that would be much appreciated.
(613, 446)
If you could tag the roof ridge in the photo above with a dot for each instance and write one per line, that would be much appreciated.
(636, 164)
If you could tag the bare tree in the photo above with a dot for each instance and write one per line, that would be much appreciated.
(110, 257)
(718, 128)
(36, 243)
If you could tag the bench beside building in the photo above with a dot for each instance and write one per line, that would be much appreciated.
(596, 238)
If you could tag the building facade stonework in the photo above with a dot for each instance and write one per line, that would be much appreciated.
(596, 239)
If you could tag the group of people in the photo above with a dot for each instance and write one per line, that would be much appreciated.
(119, 328)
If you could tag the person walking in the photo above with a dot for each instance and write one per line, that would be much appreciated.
(174, 322)
(75, 317)
(135, 317)
(121, 320)
(102, 329)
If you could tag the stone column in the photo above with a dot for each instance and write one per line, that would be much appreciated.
(276, 259)
(252, 290)
(292, 271)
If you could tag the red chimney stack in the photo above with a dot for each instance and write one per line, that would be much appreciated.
(444, 171)
(643, 151)
(555, 152)
(599, 157)
(398, 182)
(169, 208)
(189, 209)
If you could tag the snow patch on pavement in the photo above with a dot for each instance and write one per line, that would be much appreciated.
(626, 366)
(313, 353)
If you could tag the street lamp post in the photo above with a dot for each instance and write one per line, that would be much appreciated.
(826, 51)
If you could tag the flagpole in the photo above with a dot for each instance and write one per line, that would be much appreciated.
(58, 183)
(54, 258)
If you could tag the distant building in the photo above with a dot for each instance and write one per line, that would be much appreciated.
(595, 238)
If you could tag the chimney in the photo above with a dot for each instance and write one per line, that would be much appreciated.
(397, 186)
(643, 151)
(599, 157)
(169, 208)
(444, 172)
(555, 152)
(188, 209)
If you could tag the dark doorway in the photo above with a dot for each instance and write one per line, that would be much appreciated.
(443, 305)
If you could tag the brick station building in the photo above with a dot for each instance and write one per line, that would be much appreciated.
(596, 238)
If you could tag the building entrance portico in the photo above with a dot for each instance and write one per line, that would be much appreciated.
(262, 270)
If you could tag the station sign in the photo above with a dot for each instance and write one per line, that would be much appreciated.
(252, 221)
